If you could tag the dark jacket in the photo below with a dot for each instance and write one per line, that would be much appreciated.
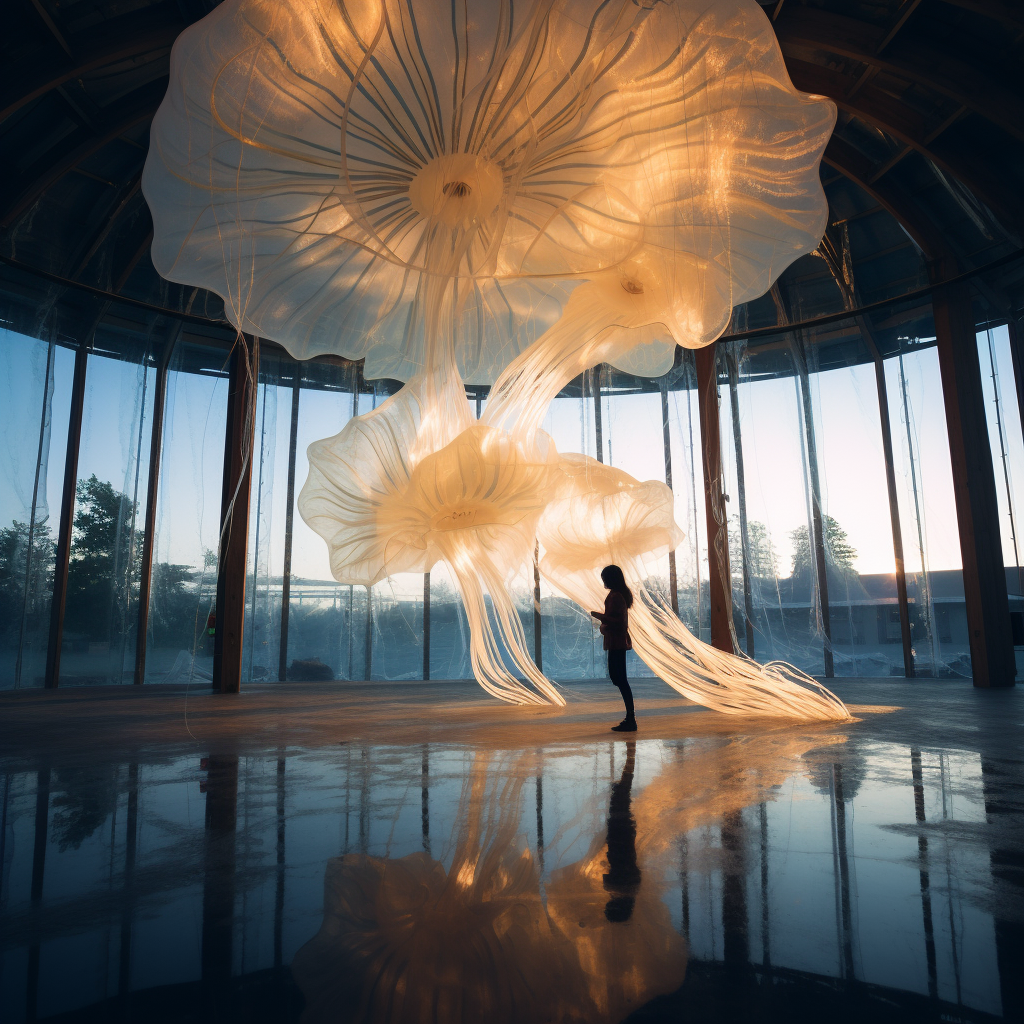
(615, 623)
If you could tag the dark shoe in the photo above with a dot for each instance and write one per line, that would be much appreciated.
(626, 725)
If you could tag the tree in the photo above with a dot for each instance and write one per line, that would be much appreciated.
(762, 560)
(839, 554)
(106, 555)
(14, 540)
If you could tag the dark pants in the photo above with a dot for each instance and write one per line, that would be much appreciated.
(617, 674)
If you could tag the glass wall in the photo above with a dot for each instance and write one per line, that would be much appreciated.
(35, 395)
(812, 531)
(187, 535)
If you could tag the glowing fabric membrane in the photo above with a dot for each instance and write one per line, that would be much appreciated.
(493, 193)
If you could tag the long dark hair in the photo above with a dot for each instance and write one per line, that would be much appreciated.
(612, 578)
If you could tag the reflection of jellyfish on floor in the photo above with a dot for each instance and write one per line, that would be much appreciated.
(409, 940)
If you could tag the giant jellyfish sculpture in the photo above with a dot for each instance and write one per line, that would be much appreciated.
(495, 193)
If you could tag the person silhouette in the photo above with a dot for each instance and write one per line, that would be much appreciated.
(623, 878)
(615, 630)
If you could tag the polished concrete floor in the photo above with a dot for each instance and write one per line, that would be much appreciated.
(417, 852)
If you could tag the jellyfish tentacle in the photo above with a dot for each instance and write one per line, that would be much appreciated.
(484, 653)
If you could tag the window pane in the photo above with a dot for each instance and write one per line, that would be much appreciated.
(179, 647)
(35, 396)
(101, 615)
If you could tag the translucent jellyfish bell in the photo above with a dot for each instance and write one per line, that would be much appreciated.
(606, 517)
(312, 158)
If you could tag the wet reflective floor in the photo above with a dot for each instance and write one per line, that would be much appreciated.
(417, 853)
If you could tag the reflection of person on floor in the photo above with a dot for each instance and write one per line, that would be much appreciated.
(615, 629)
(623, 878)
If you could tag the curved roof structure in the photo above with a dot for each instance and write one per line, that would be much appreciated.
(924, 174)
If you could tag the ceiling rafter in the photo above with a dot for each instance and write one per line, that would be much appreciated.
(924, 63)
(51, 167)
(909, 127)
(121, 202)
(858, 168)
(50, 21)
(119, 42)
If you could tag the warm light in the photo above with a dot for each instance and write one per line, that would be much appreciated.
(509, 194)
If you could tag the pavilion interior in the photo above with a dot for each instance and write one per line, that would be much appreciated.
(235, 789)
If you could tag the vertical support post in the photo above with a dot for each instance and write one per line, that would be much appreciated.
(974, 489)
(595, 383)
(227, 650)
(426, 625)
(219, 868)
(719, 578)
(156, 443)
(289, 523)
(894, 507)
(369, 633)
(817, 524)
(538, 646)
(741, 497)
(67, 516)
(673, 579)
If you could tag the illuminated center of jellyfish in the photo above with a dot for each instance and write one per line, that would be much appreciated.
(460, 190)
(633, 286)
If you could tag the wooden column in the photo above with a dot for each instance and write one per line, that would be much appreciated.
(426, 625)
(234, 542)
(741, 498)
(289, 523)
(817, 520)
(719, 578)
(666, 434)
(538, 645)
(156, 442)
(894, 507)
(974, 488)
(67, 518)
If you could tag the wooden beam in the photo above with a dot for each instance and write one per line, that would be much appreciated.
(152, 493)
(129, 41)
(289, 523)
(858, 168)
(58, 602)
(974, 489)
(78, 147)
(905, 124)
(234, 544)
(895, 522)
(805, 31)
(127, 193)
(719, 577)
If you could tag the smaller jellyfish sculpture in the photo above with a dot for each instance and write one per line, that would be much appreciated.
(606, 517)
(503, 194)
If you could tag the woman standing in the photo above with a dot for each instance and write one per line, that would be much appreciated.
(615, 630)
